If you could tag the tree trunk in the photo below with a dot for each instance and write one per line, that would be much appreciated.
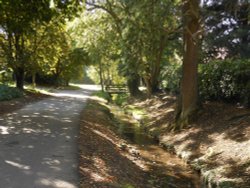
(33, 79)
(152, 82)
(19, 74)
(101, 75)
(152, 85)
(133, 85)
(188, 101)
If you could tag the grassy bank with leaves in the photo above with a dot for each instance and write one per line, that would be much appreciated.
(109, 159)
(216, 145)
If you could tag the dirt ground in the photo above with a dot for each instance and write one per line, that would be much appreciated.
(108, 161)
(217, 145)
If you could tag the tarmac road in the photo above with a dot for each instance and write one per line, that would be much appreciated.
(38, 143)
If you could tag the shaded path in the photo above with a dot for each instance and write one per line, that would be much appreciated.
(38, 143)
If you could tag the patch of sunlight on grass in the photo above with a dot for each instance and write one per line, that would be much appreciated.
(137, 113)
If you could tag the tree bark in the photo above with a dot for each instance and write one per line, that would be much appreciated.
(33, 79)
(101, 76)
(19, 60)
(188, 101)
(133, 83)
(19, 74)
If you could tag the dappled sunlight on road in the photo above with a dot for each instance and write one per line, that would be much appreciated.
(48, 182)
(38, 143)
(88, 87)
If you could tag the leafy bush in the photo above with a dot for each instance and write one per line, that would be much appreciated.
(103, 95)
(226, 80)
(171, 77)
(218, 80)
(8, 93)
(120, 99)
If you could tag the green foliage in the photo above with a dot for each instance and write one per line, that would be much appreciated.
(8, 93)
(170, 77)
(120, 99)
(33, 38)
(103, 95)
(227, 80)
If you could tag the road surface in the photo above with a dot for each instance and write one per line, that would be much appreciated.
(38, 143)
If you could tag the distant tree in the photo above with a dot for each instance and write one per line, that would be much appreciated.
(144, 27)
(18, 21)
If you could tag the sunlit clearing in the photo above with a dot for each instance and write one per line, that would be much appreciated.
(3, 130)
(18, 165)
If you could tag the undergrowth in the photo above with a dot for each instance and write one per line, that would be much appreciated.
(8, 93)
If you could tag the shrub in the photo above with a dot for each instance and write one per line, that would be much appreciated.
(225, 80)
(218, 80)
(8, 93)
(103, 95)
(120, 99)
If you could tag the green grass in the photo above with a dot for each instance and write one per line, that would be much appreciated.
(120, 99)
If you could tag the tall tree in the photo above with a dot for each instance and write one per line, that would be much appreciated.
(144, 28)
(188, 102)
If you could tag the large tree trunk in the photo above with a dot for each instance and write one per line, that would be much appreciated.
(19, 58)
(188, 102)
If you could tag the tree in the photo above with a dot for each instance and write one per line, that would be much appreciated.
(227, 29)
(16, 22)
(144, 28)
(94, 33)
(19, 21)
(188, 102)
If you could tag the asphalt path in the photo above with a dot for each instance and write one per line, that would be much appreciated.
(38, 143)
